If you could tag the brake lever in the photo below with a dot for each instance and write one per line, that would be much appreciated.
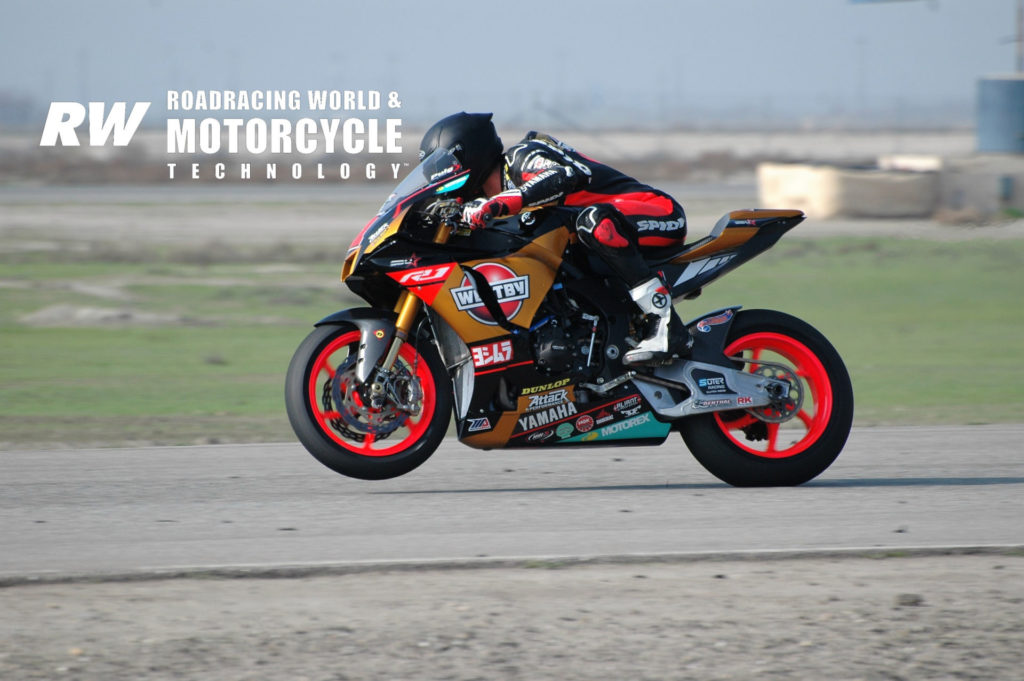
(449, 213)
(445, 209)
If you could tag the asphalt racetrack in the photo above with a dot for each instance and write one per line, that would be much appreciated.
(269, 507)
(905, 560)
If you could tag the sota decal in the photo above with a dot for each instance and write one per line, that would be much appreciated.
(509, 288)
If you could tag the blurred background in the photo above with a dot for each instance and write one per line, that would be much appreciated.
(675, 64)
(136, 308)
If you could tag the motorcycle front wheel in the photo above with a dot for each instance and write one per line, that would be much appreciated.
(789, 443)
(332, 415)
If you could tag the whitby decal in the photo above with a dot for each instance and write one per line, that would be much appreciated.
(509, 288)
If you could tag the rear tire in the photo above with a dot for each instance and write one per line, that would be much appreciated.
(768, 447)
(334, 424)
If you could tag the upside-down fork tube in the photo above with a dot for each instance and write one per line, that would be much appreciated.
(407, 308)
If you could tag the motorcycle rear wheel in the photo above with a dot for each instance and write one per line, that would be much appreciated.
(770, 447)
(339, 428)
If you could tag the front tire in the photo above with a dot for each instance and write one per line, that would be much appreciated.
(337, 426)
(778, 446)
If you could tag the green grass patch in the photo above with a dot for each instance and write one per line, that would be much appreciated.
(931, 333)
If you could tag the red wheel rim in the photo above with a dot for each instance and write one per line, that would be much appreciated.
(802, 430)
(324, 369)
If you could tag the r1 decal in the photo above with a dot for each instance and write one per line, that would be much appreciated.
(422, 275)
(424, 282)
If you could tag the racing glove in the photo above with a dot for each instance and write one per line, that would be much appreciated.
(479, 212)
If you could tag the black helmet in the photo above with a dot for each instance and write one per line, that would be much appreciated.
(473, 140)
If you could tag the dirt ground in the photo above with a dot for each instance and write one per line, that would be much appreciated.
(840, 618)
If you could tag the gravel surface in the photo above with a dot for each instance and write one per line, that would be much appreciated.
(838, 618)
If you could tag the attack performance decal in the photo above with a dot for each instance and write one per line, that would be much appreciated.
(509, 288)
(551, 399)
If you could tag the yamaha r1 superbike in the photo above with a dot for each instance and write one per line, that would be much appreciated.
(518, 331)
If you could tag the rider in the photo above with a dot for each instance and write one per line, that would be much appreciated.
(619, 213)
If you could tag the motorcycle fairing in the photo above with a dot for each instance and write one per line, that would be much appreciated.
(438, 174)
(518, 283)
(620, 417)
(736, 238)
(515, 404)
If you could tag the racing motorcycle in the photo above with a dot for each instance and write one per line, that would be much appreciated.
(518, 331)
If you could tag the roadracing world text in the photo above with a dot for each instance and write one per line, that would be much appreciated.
(263, 128)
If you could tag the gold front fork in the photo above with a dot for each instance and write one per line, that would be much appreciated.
(408, 306)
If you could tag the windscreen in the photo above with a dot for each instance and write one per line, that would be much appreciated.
(439, 165)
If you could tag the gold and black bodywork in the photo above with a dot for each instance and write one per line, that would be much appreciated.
(522, 316)
(519, 332)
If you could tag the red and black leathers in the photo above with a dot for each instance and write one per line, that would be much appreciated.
(621, 216)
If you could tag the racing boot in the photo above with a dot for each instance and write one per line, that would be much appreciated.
(667, 338)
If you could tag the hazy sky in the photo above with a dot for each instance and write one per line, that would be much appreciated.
(585, 62)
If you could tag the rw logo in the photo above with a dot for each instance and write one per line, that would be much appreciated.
(64, 117)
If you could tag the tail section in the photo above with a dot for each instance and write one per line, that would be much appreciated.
(735, 239)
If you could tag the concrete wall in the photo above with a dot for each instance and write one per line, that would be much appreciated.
(829, 191)
(978, 187)
(983, 185)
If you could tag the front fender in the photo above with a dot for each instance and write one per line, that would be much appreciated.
(376, 331)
